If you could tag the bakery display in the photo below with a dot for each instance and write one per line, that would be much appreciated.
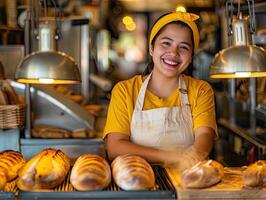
(132, 172)
(45, 170)
(255, 174)
(90, 172)
(10, 164)
(204, 174)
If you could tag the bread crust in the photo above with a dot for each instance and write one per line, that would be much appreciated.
(204, 174)
(45, 170)
(90, 172)
(10, 164)
(255, 174)
(132, 172)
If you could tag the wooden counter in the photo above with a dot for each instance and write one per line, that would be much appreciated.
(231, 187)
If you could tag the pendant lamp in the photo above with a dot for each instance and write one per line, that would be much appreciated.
(242, 59)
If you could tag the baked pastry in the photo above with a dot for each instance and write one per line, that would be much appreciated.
(44, 131)
(255, 174)
(45, 170)
(10, 92)
(10, 163)
(132, 172)
(90, 172)
(204, 174)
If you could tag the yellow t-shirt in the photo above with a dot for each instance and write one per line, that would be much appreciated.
(125, 93)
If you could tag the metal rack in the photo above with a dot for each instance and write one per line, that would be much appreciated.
(162, 190)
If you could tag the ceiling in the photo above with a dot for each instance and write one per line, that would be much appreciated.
(162, 5)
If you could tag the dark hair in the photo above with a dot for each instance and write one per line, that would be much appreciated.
(150, 65)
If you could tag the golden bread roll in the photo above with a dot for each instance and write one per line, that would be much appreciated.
(3, 179)
(45, 170)
(76, 98)
(204, 174)
(132, 172)
(3, 97)
(44, 131)
(255, 174)
(10, 92)
(10, 163)
(90, 172)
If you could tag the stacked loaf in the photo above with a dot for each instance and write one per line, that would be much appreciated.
(90, 172)
(10, 163)
(46, 170)
(132, 172)
(255, 174)
(204, 174)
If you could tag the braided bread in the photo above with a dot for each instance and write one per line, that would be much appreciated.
(10, 163)
(132, 172)
(45, 170)
(90, 172)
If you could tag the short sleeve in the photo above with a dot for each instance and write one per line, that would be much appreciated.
(117, 116)
(204, 110)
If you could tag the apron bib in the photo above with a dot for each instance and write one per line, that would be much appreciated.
(164, 128)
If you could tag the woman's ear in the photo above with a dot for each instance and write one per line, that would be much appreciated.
(151, 51)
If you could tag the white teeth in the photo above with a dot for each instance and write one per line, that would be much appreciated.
(170, 62)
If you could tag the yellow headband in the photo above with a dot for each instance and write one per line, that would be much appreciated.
(187, 18)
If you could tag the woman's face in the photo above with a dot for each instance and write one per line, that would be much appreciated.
(172, 51)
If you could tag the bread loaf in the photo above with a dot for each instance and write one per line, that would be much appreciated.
(90, 172)
(46, 170)
(204, 174)
(10, 163)
(132, 172)
(255, 174)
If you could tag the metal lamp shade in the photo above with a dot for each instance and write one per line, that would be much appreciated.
(239, 62)
(46, 67)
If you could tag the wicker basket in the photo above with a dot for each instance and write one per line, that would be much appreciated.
(12, 116)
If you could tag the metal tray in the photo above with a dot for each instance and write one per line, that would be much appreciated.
(163, 190)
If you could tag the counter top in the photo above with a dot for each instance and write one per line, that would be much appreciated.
(231, 187)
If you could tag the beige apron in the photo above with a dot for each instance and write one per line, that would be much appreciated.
(163, 128)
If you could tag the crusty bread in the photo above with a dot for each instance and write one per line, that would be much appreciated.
(44, 131)
(90, 172)
(132, 172)
(10, 163)
(46, 170)
(10, 92)
(3, 179)
(204, 174)
(255, 174)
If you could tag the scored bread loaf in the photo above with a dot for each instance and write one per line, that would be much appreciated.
(10, 163)
(132, 172)
(90, 172)
(204, 174)
(45, 170)
(255, 174)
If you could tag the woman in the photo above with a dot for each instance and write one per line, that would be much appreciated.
(165, 116)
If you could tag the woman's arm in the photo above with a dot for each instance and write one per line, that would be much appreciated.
(119, 144)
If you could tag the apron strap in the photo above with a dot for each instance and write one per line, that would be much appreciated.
(141, 96)
(183, 92)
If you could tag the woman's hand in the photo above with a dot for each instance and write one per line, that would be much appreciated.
(184, 158)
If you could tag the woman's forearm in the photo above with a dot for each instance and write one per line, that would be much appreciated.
(116, 147)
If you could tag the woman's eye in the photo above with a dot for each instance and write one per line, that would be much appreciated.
(166, 43)
(184, 47)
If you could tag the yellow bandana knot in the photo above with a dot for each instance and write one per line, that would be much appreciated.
(187, 18)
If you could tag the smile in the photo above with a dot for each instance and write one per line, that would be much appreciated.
(171, 62)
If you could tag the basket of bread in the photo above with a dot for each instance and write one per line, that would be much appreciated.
(12, 112)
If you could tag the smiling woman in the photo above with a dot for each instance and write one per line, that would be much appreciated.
(164, 116)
